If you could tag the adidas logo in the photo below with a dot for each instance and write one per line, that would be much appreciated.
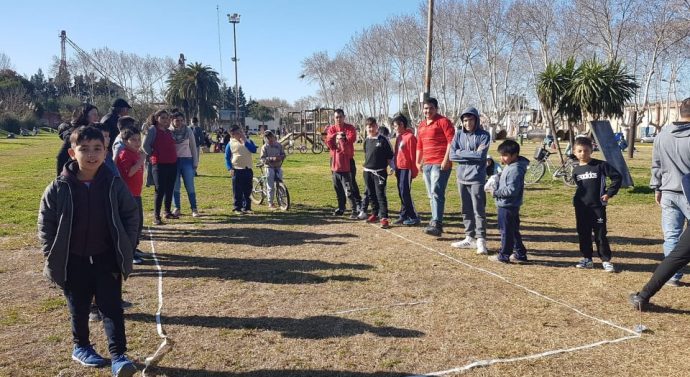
(588, 175)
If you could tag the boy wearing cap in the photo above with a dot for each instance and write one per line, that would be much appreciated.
(272, 155)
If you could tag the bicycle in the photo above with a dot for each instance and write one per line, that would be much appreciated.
(260, 189)
(538, 167)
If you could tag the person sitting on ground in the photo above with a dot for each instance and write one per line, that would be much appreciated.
(88, 248)
(238, 161)
(508, 196)
(272, 156)
(377, 157)
(590, 201)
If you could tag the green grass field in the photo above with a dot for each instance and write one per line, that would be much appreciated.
(303, 293)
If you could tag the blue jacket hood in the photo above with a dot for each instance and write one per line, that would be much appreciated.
(471, 111)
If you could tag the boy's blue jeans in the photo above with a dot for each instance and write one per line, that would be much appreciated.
(436, 181)
(97, 277)
(675, 214)
(242, 189)
(511, 239)
(185, 170)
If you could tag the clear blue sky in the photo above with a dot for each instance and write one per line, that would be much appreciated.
(273, 36)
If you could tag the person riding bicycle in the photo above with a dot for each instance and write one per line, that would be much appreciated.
(272, 156)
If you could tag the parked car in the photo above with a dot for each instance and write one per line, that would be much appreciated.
(647, 139)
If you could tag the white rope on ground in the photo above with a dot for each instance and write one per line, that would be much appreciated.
(381, 307)
(166, 344)
(488, 362)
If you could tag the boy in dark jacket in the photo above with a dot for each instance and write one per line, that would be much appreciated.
(590, 200)
(377, 155)
(508, 196)
(87, 226)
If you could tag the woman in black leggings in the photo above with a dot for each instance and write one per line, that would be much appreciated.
(159, 145)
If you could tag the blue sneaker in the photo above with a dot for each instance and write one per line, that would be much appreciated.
(122, 367)
(411, 222)
(87, 356)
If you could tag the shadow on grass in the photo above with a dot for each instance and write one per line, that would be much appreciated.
(274, 271)
(317, 327)
(175, 372)
(296, 215)
(640, 189)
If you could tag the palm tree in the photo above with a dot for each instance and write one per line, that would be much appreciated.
(195, 88)
(552, 89)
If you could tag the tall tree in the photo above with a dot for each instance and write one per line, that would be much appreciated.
(195, 88)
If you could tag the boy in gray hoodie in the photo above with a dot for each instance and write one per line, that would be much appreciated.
(469, 149)
(508, 198)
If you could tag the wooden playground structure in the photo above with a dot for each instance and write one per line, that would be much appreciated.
(306, 130)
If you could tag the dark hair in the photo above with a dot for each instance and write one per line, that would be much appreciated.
(583, 141)
(370, 120)
(84, 133)
(177, 114)
(339, 111)
(234, 128)
(685, 108)
(80, 116)
(127, 133)
(509, 147)
(153, 119)
(195, 119)
(103, 128)
(431, 101)
(400, 119)
(126, 122)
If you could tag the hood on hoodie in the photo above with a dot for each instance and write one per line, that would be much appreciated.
(475, 113)
(681, 129)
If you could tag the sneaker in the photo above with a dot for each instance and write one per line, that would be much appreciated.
(247, 212)
(87, 356)
(434, 229)
(338, 212)
(157, 221)
(608, 266)
(467, 243)
(172, 216)
(176, 212)
(517, 259)
(140, 254)
(196, 213)
(385, 224)
(412, 222)
(362, 215)
(373, 219)
(122, 367)
(673, 282)
(585, 263)
(497, 258)
(638, 302)
(237, 212)
(399, 221)
(354, 215)
(481, 247)
(137, 260)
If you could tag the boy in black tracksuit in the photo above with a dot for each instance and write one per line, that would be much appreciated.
(378, 154)
(590, 202)
(87, 225)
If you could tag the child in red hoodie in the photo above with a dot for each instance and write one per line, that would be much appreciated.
(405, 169)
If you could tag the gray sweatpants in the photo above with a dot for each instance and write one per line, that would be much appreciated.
(473, 209)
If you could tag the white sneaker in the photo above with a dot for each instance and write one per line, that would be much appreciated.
(608, 266)
(467, 243)
(362, 215)
(195, 214)
(481, 247)
(176, 212)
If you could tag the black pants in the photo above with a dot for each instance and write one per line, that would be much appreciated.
(407, 210)
(679, 257)
(511, 239)
(141, 219)
(375, 183)
(164, 179)
(342, 183)
(590, 219)
(96, 277)
(242, 189)
(355, 187)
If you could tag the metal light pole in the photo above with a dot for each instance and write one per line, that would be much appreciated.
(234, 20)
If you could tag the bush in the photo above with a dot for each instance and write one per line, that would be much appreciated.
(10, 123)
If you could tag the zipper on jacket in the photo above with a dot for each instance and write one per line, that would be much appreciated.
(69, 235)
(117, 231)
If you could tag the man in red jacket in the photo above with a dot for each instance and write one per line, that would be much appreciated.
(340, 139)
(434, 137)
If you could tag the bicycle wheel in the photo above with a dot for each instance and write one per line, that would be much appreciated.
(302, 149)
(282, 196)
(535, 171)
(257, 196)
(317, 148)
(567, 176)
